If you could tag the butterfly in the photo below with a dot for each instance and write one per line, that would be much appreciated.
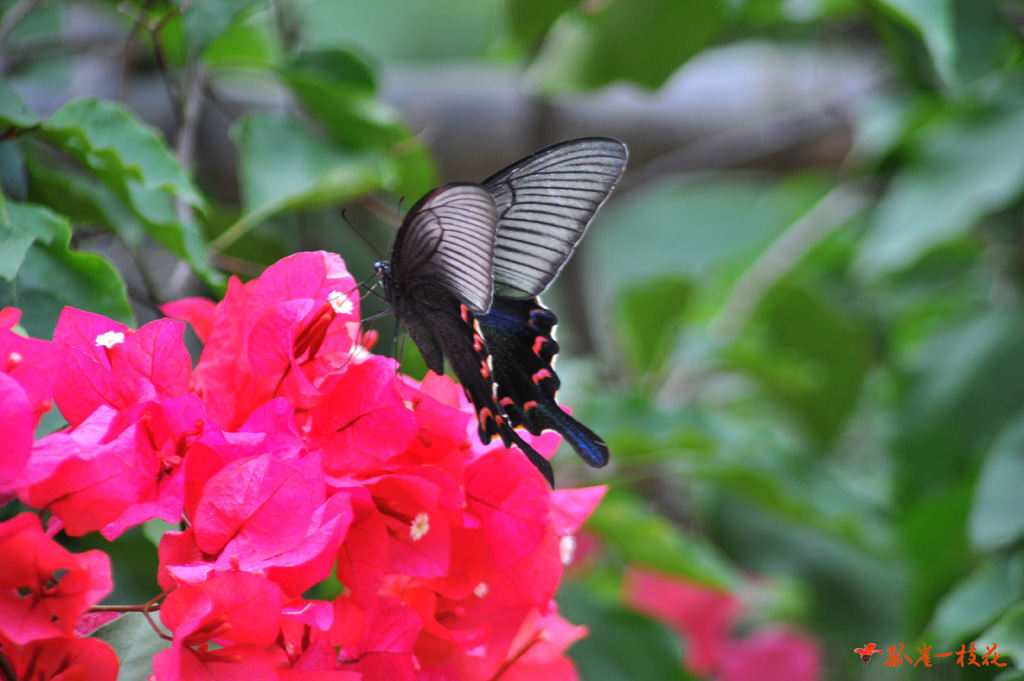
(468, 263)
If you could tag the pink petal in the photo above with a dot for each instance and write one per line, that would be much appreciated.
(771, 655)
(200, 313)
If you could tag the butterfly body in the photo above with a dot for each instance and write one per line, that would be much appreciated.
(467, 265)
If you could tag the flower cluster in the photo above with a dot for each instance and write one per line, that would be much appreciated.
(289, 455)
(704, 618)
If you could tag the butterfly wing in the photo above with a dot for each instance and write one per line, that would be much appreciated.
(442, 326)
(520, 335)
(439, 274)
(448, 238)
(545, 203)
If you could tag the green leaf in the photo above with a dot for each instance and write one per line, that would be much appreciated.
(398, 30)
(643, 41)
(650, 318)
(84, 201)
(711, 221)
(13, 112)
(205, 21)
(977, 600)
(49, 275)
(119, 148)
(966, 170)
(639, 536)
(130, 158)
(338, 89)
(933, 538)
(135, 642)
(1010, 674)
(282, 166)
(809, 354)
(334, 67)
(997, 516)
(965, 385)
(250, 41)
(153, 530)
(623, 645)
(934, 21)
(527, 20)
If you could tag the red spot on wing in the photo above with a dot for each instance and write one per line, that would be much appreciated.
(507, 401)
(538, 344)
(464, 311)
(486, 418)
(532, 404)
(485, 370)
(541, 375)
(478, 343)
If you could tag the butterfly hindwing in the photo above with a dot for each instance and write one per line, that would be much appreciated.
(545, 203)
(520, 335)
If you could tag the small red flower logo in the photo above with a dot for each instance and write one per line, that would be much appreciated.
(866, 652)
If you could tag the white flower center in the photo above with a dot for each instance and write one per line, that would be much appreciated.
(14, 358)
(340, 302)
(481, 590)
(420, 526)
(110, 339)
(567, 548)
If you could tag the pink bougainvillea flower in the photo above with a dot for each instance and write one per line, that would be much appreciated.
(226, 378)
(258, 503)
(199, 313)
(289, 453)
(570, 508)
(229, 607)
(104, 363)
(90, 474)
(419, 506)
(307, 560)
(702, 615)
(442, 423)
(26, 386)
(363, 556)
(239, 607)
(58, 586)
(538, 653)
(384, 650)
(9, 317)
(62, 658)
(168, 429)
(771, 655)
(364, 421)
(512, 505)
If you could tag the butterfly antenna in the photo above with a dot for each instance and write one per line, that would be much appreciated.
(366, 241)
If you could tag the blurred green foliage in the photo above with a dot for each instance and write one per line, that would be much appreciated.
(814, 378)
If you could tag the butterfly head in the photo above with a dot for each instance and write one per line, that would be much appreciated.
(382, 268)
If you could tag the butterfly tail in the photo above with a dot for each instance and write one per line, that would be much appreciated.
(542, 464)
(586, 443)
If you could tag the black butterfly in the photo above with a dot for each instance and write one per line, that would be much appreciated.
(469, 253)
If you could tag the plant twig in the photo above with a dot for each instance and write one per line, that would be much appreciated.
(14, 15)
(191, 107)
(832, 211)
(146, 608)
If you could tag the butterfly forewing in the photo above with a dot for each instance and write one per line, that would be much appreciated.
(448, 237)
(545, 203)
